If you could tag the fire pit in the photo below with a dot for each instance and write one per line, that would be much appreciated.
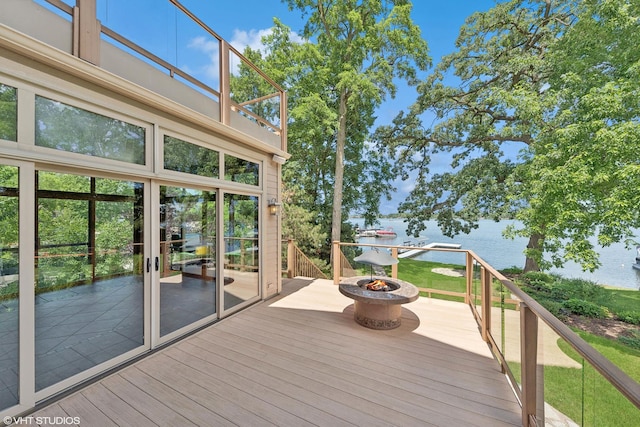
(377, 300)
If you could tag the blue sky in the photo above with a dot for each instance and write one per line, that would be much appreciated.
(171, 35)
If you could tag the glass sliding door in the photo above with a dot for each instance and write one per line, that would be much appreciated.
(89, 303)
(241, 256)
(9, 259)
(187, 257)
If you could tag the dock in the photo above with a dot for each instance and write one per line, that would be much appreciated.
(417, 251)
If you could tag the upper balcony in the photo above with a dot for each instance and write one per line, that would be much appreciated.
(238, 94)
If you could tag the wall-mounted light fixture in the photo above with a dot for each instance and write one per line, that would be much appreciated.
(278, 159)
(274, 207)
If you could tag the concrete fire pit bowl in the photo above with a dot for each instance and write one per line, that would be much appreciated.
(378, 309)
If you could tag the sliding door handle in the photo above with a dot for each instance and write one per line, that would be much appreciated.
(148, 265)
(157, 263)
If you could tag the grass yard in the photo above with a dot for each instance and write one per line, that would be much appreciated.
(421, 275)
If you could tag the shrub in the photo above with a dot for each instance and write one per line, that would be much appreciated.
(511, 270)
(586, 308)
(632, 317)
(554, 307)
(580, 289)
(537, 276)
(632, 340)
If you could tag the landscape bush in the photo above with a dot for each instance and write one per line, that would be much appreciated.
(632, 317)
(586, 308)
(632, 340)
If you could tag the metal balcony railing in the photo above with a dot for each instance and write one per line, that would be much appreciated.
(265, 103)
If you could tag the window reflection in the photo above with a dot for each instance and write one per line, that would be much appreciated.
(88, 270)
(67, 128)
(8, 113)
(241, 249)
(9, 286)
(188, 262)
(240, 170)
(189, 158)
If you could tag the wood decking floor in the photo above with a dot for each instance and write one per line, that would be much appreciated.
(299, 359)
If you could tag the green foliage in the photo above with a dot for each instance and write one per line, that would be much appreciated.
(8, 113)
(563, 296)
(632, 340)
(558, 81)
(349, 61)
(585, 308)
(632, 317)
(512, 270)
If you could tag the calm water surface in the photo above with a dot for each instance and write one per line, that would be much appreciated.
(488, 243)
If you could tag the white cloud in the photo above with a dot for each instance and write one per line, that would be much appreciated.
(241, 39)
(252, 38)
(211, 68)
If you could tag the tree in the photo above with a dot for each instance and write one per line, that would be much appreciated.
(351, 55)
(354, 52)
(487, 123)
(586, 170)
(560, 79)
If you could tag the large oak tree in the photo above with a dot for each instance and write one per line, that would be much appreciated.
(540, 123)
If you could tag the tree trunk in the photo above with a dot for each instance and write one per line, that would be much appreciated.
(336, 224)
(530, 264)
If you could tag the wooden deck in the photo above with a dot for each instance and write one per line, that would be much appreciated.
(299, 360)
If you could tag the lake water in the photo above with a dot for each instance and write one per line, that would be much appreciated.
(488, 243)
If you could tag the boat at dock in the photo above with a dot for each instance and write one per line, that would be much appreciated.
(387, 232)
(376, 232)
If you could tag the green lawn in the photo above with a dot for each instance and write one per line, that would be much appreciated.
(419, 273)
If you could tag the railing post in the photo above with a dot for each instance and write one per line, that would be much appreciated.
(529, 362)
(291, 263)
(225, 87)
(336, 262)
(86, 43)
(283, 120)
(485, 278)
(394, 267)
(467, 296)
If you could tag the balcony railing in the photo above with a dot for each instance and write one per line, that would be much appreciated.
(535, 350)
(264, 103)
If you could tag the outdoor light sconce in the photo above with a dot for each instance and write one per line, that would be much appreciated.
(279, 159)
(274, 207)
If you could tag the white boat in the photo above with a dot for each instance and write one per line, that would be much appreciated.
(370, 232)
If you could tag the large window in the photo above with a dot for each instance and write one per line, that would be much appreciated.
(8, 286)
(240, 170)
(89, 273)
(185, 157)
(8, 113)
(67, 128)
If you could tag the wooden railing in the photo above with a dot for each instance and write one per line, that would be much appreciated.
(298, 264)
(530, 317)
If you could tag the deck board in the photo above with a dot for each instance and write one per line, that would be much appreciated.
(299, 359)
